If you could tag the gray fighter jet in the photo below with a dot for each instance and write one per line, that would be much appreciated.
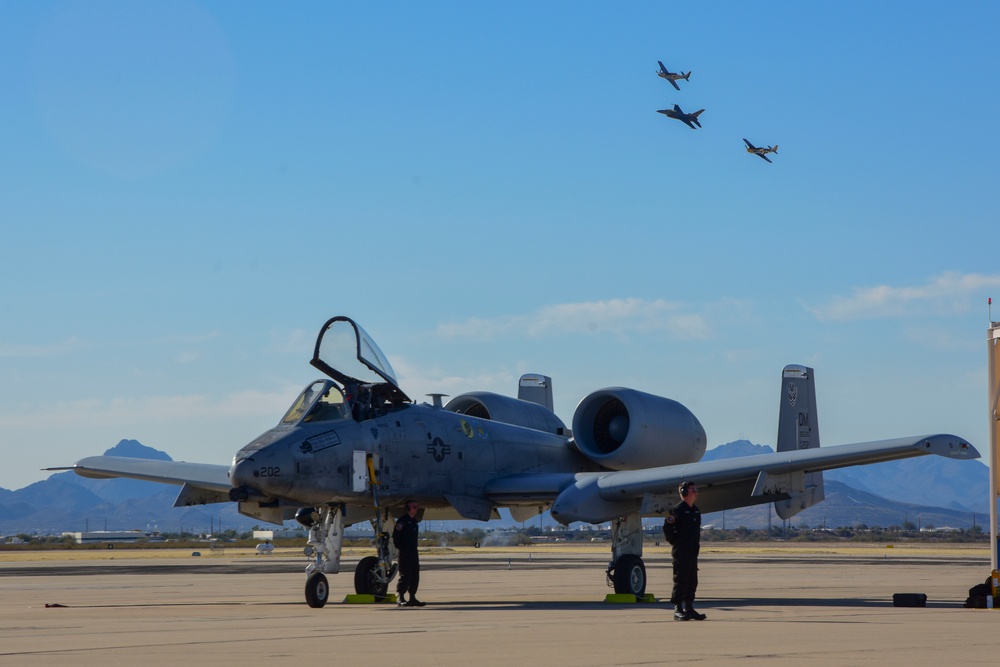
(672, 77)
(353, 447)
(761, 152)
(686, 118)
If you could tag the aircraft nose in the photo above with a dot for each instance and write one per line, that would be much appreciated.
(267, 469)
(241, 473)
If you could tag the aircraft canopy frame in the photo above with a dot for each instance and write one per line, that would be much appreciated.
(346, 353)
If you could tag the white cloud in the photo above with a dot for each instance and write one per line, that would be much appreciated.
(435, 380)
(616, 316)
(948, 293)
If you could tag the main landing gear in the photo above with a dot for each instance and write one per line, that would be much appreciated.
(626, 571)
(326, 536)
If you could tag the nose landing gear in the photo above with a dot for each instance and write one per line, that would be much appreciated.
(326, 539)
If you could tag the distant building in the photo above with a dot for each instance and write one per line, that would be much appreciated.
(942, 529)
(106, 536)
(279, 534)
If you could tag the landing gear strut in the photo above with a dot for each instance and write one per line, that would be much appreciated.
(326, 539)
(626, 571)
(373, 573)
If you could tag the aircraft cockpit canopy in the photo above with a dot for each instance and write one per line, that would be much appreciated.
(320, 401)
(346, 353)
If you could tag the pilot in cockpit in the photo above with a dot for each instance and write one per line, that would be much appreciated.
(330, 406)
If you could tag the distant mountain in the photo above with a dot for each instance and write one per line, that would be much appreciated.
(845, 506)
(924, 480)
(923, 490)
(736, 448)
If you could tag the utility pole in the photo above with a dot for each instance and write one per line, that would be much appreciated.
(993, 364)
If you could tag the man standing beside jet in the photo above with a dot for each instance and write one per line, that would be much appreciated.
(682, 528)
(404, 538)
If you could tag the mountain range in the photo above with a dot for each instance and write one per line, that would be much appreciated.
(927, 490)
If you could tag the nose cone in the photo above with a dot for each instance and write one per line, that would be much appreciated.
(241, 473)
(267, 468)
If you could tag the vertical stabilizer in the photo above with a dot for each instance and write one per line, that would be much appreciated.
(536, 389)
(798, 429)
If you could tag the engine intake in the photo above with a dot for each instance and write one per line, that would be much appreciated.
(625, 429)
(495, 407)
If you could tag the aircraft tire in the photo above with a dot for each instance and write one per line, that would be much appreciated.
(317, 590)
(365, 581)
(630, 575)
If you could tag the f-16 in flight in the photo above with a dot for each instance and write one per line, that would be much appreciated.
(761, 152)
(686, 118)
(354, 447)
(672, 77)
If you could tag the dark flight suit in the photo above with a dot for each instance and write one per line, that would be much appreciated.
(404, 538)
(685, 523)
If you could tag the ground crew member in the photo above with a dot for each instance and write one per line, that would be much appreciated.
(404, 538)
(682, 529)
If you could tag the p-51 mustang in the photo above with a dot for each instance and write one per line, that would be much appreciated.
(761, 152)
(686, 118)
(672, 77)
(353, 447)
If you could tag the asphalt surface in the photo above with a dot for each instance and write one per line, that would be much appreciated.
(497, 609)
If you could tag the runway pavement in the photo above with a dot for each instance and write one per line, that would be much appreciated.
(520, 607)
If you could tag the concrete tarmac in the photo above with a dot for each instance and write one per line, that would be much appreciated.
(523, 606)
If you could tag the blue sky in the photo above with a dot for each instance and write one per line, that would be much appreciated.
(189, 190)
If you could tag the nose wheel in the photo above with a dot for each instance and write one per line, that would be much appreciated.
(317, 590)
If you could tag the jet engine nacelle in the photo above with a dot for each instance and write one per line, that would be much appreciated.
(487, 405)
(625, 429)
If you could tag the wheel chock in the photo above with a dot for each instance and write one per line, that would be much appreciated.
(648, 597)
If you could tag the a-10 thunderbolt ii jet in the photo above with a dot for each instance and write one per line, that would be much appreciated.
(672, 77)
(353, 447)
(686, 118)
(761, 152)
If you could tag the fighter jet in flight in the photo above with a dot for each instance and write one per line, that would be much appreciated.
(761, 152)
(686, 118)
(672, 77)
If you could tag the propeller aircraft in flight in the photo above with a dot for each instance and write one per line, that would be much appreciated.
(354, 447)
(761, 152)
(672, 77)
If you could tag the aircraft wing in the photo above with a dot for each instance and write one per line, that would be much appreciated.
(674, 84)
(725, 484)
(208, 476)
(763, 157)
(749, 145)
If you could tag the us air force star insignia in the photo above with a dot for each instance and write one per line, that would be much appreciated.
(438, 449)
(671, 518)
